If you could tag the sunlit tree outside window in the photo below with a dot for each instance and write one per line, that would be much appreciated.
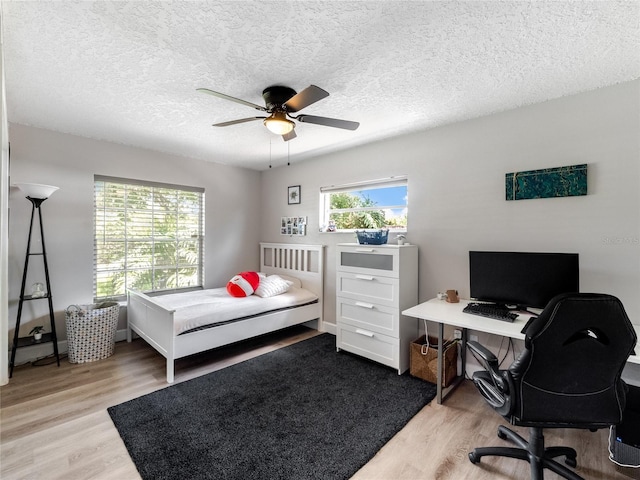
(148, 237)
(382, 206)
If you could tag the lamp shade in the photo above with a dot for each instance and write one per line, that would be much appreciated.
(278, 123)
(36, 190)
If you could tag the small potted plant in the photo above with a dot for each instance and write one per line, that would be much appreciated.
(37, 332)
(401, 238)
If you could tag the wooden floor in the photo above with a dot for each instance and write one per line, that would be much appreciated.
(54, 423)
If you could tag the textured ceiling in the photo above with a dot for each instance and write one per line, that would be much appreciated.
(127, 71)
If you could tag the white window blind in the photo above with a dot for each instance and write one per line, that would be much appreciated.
(148, 236)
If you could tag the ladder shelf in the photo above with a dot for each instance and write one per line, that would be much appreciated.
(51, 337)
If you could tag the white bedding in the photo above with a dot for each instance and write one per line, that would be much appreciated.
(207, 307)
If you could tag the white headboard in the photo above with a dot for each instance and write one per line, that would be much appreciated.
(305, 262)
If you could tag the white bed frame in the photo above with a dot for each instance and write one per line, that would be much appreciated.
(154, 323)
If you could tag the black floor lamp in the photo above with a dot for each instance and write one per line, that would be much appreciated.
(36, 194)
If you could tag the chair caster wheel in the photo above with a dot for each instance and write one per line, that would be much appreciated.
(501, 435)
(571, 462)
(474, 458)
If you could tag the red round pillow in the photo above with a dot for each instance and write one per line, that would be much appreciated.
(243, 284)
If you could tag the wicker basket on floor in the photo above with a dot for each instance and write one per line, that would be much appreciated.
(91, 331)
(424, 361)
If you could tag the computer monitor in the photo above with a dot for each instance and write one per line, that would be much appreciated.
(522, 279)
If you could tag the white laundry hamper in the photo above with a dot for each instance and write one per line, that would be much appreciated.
(91, 331)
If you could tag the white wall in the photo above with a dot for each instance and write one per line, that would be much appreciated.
(69, 162)
(4, 217)
(457, 192)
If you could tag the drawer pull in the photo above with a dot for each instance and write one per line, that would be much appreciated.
(365, 250)
(365, 333)
(364, 305)
(365, 277)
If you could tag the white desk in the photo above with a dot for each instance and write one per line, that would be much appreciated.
(445, 313)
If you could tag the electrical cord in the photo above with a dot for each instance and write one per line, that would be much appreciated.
(41, 361)
(424, 350)
(51, 359)
(509, 347)
(500, 350)
(426, 345)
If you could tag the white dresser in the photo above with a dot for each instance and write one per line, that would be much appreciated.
(374, 284)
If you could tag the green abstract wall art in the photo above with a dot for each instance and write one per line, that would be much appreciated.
(568, 181)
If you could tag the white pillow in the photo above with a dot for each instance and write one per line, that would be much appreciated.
(271, 286)
(295, 282)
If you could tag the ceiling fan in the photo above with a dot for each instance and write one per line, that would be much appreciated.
(280, 103)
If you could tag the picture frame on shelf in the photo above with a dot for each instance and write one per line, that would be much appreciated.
(293, 194)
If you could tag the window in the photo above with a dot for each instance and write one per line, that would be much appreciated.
(148, 236)
(372, 204)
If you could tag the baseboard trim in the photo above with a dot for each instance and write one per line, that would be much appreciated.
(330, 328)
(36, 352)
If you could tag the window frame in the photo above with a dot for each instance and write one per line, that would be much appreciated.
(103, 210)
(325, 210)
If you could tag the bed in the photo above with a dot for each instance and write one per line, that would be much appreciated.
(156, 322)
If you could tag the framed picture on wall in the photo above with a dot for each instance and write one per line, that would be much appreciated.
(293, 226)
(294, 194)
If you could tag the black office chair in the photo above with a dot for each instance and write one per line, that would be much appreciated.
(568, 376)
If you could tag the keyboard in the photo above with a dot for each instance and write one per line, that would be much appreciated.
(491, 311)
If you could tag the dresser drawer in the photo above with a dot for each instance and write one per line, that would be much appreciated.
(368, 316)
(368, 288)
(370, 259)
(374, 346)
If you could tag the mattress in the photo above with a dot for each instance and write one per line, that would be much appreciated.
(214, 306)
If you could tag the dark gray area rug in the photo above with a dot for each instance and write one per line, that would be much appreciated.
(300, 412)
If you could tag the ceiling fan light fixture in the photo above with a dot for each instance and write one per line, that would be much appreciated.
(278, 123)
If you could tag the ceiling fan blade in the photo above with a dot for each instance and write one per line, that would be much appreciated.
(234, 122)
(328, 122)
(233, 99)
(289, 136)
(306, 97)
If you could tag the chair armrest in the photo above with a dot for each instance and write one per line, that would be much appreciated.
(484, 353)
(490, 363)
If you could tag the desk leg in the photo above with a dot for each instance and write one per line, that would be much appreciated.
(463, 353)
(442, 392)
(440, 365)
